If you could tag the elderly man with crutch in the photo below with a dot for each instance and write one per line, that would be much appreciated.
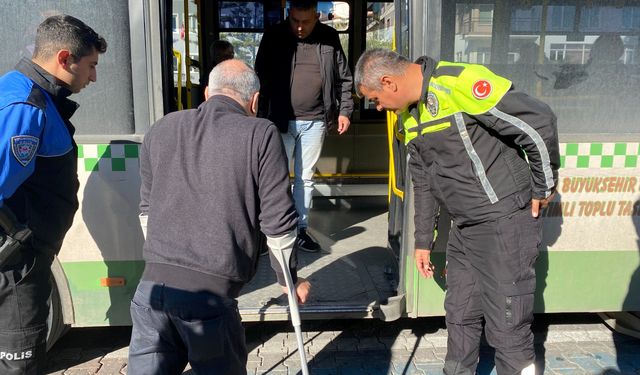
(213, 178)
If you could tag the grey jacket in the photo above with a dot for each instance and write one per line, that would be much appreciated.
(213, 178)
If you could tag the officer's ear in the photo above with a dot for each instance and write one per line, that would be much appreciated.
(206, 93)
(64, 58)
(388, 83)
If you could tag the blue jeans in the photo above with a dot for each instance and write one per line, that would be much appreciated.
(303, 143)
(172, 327)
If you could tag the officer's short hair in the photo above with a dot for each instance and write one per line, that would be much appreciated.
(227, 77)
(66, 32)
(375, 63)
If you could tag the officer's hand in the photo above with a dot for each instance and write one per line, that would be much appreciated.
(423, 263)
(538, 204)
(343, 124)
(303, 287)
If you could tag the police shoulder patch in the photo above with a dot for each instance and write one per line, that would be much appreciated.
(24, 148)
(432, 104)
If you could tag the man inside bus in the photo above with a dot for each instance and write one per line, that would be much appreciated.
(212, 179)
(38, 180)
(488, 154)
(306, 91)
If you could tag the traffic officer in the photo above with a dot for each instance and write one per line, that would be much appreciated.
(489, 154)
(38, 180)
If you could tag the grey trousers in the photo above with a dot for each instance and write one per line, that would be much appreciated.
(491, 275)
(172, 327)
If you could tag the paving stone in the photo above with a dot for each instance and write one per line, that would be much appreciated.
(269, 360)
(438, 342)
(272, 371)
(406, 368)
(324, 371)
(111, 366)
(272, 350)
(426, 356)
(80, 371)
(346, 344)
(560, 363)
(370, 343)
(587, 363)
(430, 368)
(122, 353)
(606, 360)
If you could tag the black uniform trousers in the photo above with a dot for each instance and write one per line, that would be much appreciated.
(25, 287)
(172, 327)
(491, 275)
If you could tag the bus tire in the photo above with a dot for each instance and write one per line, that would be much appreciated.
(59, 305)
(55, 321)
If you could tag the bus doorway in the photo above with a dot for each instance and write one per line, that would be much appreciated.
(354, 274)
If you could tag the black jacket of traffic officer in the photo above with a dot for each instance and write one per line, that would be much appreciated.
(274, 66)
(204, 223)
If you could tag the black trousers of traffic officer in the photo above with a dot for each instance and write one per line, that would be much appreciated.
(25, 286)
(491, 275)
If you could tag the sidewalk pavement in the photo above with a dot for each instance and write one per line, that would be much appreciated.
(408, 346)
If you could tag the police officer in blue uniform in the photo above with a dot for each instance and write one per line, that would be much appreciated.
(38, 180)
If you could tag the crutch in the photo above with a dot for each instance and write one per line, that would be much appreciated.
(283, 257)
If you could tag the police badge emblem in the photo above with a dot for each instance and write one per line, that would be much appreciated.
(432, 104)
(24, 148)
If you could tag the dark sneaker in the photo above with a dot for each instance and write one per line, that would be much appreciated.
(305, 243)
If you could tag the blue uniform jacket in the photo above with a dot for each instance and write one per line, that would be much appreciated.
(38, 157)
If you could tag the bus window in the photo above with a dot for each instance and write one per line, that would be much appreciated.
(241, 23)
(97, 101)
(580, 59)
(186, 41)
(379, 26)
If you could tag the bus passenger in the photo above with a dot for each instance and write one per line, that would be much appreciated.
(306, 91)
(212, 178)
(38, 180)
(488, 154)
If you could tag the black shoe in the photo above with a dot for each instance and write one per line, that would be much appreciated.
(305, 243)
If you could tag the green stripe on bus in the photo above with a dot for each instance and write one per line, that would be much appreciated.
(571, 281)
(96, 305)
(108, 157)
(113, 157)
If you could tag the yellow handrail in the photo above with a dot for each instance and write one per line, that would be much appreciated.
(392, 134)
(178, 57)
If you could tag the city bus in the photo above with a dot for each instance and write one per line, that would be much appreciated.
(158, 60)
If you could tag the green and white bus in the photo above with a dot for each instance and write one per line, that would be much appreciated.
(158, 50)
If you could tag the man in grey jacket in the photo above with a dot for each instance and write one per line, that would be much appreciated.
(212, 179)
(306, 91)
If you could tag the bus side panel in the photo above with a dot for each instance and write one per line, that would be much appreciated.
(102, 252)
(94, 302)
(589, 258)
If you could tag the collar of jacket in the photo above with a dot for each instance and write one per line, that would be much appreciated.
(47, 82)
(428, 67)
(223, 103)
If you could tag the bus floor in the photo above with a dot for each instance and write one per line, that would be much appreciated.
(352, 273)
